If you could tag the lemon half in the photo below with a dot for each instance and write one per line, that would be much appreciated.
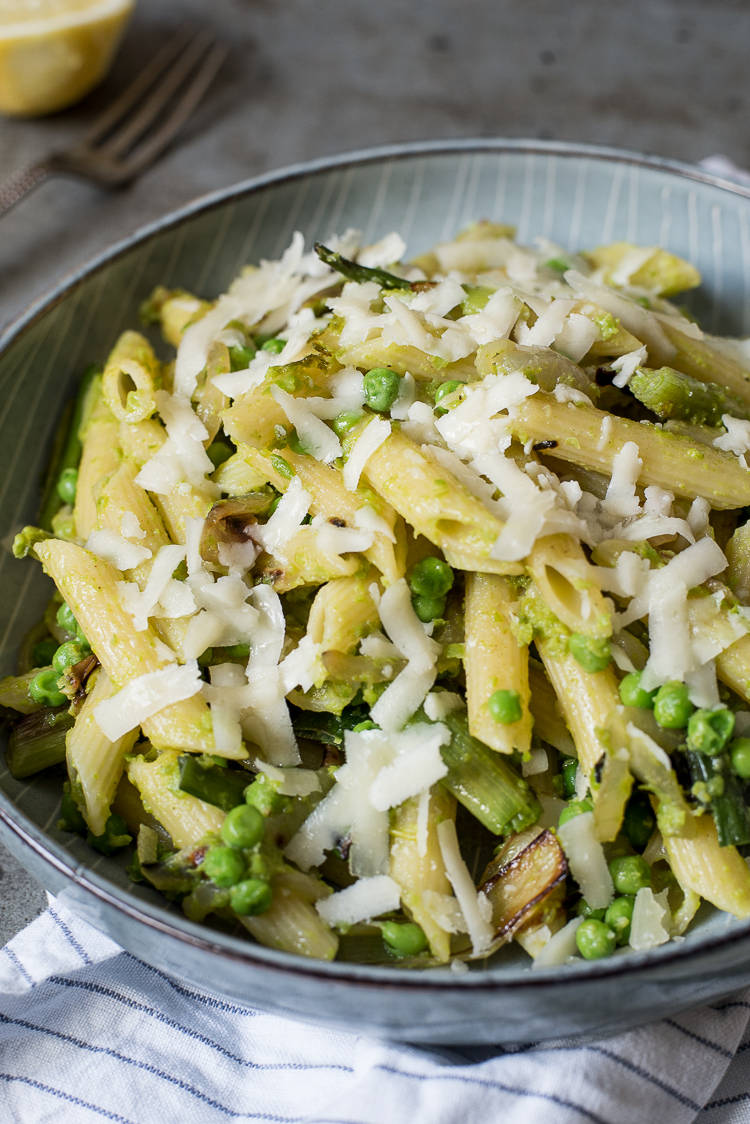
(52, 52)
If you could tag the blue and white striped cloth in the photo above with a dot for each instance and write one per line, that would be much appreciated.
(89, 1033)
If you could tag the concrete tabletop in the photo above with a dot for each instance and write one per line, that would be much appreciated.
(308, 79)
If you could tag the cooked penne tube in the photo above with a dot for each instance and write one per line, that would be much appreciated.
(89, 585)
(437, 505)
(333, 501)
(95, 764)
(568, 584)
(131, 364)
(593, 438)
(186, 818)
(417, 861)
(293, 925)
(494, 661)
(587, 700)
(100, 457)
(342, 613)
(718, 874)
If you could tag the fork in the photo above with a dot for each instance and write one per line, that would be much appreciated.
(131, 134)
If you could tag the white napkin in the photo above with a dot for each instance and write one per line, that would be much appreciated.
(89, 1033)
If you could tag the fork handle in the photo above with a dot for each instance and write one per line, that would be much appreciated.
(22, 182)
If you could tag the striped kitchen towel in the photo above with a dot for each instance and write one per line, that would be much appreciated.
(90, 1033)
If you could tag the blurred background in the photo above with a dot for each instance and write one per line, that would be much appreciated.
(308, 78)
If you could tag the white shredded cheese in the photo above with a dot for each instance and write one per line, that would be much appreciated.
(290, 782)
(563, 393)
(496, 319)
(650, 924)
(369, 440)
(130, 527)
(737, 437)
(444, 911)
(286, 519)
(586, 859)
(367, 519)
(342, 540)
(319, 441)
(417, 767)
(438, 704)
(301, 667)
(367, 898)
(626, 366)
(389, 250)
(145, 696)
(117, 550)
(561, 947)
(479, 929)
(576, 337)
(405, 628)
(621, 499)
(227, 730)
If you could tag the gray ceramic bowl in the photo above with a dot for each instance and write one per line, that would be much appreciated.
(576, 196)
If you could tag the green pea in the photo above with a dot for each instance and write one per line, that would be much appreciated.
(443, 391)
(431, 578)
(263, 795)
(630, 873)
(708, 731)
(241, 356)
(618, 917)
(672, 706)
(740, 753)
(251, 897)
(593, 654)
(505, 707)
(67, 484)
(585, 910)
(295, 444)
(428, 608)
(218, 452)
(243, 826)
(569, 771)
(67, 655)
(43, 652)
(632, 694)
(43, 688)
(224, 865)
(638, 823)
(67, 620)
(274, 345)
(345, 421)
(575, 808)
(403, 940)
(595, 939)
(381, 387)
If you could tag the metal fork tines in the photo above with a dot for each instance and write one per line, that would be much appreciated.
(132, 132)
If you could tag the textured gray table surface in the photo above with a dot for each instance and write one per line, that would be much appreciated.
(307, 78)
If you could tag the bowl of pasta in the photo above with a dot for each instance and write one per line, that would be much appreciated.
(376, 610)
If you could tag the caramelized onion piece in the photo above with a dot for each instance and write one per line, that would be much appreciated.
(230, 521)
(518, 882)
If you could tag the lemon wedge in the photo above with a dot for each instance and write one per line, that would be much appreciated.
(52, 52)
